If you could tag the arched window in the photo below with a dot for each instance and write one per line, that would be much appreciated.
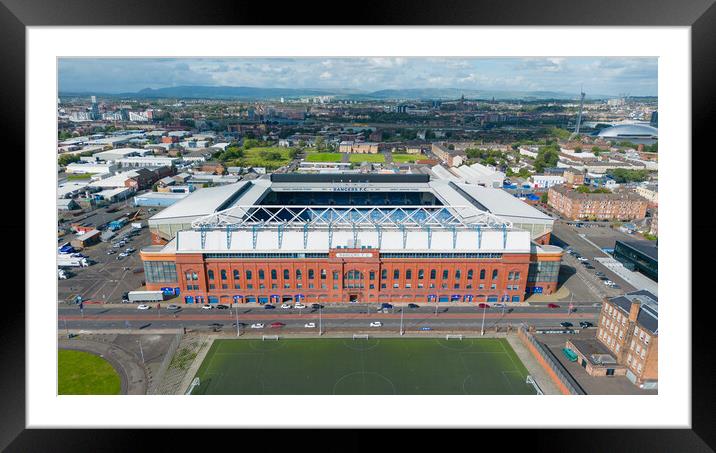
(433, 273)
(445, 274)
(482, 274)
(457, 274)
(408, 274)
(384, 274)
(210, 273)
(274, 274)
(311, 274)
(469, 274)
(494, 274)
(299, 275)
(421, 274)
(354, 279)
(248, 275)
(286, 274)
(236, 274)
(396, 274)
(323, 274)
(261, 274)
(223, 274)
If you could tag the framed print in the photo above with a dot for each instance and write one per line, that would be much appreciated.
(446, 218)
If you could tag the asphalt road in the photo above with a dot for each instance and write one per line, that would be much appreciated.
(332, 318)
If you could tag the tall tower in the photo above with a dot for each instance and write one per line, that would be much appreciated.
(579, 115)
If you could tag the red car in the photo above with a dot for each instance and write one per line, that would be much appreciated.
(277, 324)
(553, 305)
(482, 305)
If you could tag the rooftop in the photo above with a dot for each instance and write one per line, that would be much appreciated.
(648, 248)
(648, 317)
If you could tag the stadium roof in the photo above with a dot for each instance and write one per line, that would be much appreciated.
(201, 202)
(648, 248)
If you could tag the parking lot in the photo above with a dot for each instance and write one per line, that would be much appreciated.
(111, 275)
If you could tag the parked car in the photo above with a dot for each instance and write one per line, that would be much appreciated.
(310, 325)
(143, 307)
(222, 307)
(566, 324)
(122, 255)
(585, 324)
(206, 307)
(286, 306)
(385, 305)
(299, 305)
(581, 258)
(498, 305)
(599, 274)
(376, 324)
(269, 307)
(426, 328)
(413, 306)
(276, 325)
(172, 307)
(552, 306)
(603, 278)
(111, 252)
(589, 266)
(483, 305)
(129, 250)
(615, 286)
(258, 325)
(316, 306)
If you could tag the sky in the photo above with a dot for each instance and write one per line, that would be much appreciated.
(598, 75)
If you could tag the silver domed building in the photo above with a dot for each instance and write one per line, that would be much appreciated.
(637, 133)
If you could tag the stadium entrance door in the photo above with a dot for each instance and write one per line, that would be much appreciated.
(353, 298)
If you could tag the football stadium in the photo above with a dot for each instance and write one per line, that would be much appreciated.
(360, 238)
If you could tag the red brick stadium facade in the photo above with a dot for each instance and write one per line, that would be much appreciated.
(353, 275)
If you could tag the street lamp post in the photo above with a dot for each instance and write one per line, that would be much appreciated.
(401, 320)
(436, 307)
(141, 351)
(320, 320)
(238, 332)
(482, 329)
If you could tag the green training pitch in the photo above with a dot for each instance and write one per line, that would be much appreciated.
(323, 157)
(82, 373)
(372, 158)
(374, 366)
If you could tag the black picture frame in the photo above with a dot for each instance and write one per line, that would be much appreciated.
(16, 15)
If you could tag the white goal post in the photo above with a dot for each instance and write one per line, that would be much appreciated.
(269, 337)
(453, 337)
(195, 383)
(530, 380)
(360, 336)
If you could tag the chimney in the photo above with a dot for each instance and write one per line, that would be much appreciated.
(634, 310)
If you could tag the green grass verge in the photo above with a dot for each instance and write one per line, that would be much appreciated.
(255, 157)
(406, 158)
(373, 158)
(82, 373)
(75, 176)
(377, 366)
(323, 157)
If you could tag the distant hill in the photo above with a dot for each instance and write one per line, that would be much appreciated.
(254, 93)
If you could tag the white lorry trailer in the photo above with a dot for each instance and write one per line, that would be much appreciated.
(64, 260)
(145, 296)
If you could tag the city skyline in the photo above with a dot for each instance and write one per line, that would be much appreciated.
(612, 76)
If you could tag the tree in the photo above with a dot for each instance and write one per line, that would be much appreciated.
(320, 143)
(544, 198)
(577, 149)
(67, 159)
(622, 175)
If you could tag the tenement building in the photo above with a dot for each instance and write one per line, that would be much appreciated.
(596, 206)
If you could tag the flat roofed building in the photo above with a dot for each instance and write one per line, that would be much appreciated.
(345, 237)
(641, 256)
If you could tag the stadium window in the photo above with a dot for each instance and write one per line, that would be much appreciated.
(372, 275)
(286, 285)
(335, 275)
(432, 285)
(469, 274)
(311, 274)
(372, 286)
(262, 286)
(457, 286)
(517, 275)
(433, 273)
(382, 285)
(510, 275)
(493, 286)
(443, 286)
(299, 275)
(482, 286)
(408, 274)
(396, 274)
(311, 286)
(194, 276)
(421, 274)
(248, 275)
(261, 274)
(274, 286)
(494, 274)
(395, 285)
(286, 274)
(482, 274)
(224, 286)
(323, 274)
(323, 286)
(468, 286)
(212, 286)
(250, 286)
(458, 274)
(210, 273)
(236, 274)
(445, 274)
(274, 274)
(188, 275)
(223, 274)
(237, 286)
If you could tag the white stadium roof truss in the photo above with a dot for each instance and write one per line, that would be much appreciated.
(354, 218)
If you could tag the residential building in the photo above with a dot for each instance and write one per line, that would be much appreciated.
(575, 205)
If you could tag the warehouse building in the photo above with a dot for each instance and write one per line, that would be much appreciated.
(351, 238)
